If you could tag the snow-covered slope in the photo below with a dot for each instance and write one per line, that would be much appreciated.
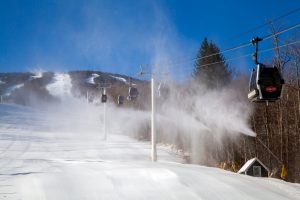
(13, 88)
(59, 153)
(91, 79)
(61, 85)
(38, 74)
(119, 79)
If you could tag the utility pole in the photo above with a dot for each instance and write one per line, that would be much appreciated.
(103, 86)
(87, 96)
(153, 131)
(255, 42)
(104, 116)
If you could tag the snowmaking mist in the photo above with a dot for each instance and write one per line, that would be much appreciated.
(193, 118)
(190, 117)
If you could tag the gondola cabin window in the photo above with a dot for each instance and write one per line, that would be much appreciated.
(253, 80)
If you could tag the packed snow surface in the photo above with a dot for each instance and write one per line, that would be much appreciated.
(91, 79)
(59, 154)
(61, 85)
(1, 82)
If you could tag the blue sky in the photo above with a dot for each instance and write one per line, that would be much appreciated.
(118, 36)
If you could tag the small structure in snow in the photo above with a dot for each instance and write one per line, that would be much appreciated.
(254, 167)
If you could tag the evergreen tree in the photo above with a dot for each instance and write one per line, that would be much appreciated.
(214, 75)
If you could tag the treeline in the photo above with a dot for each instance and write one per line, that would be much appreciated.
(276, 124)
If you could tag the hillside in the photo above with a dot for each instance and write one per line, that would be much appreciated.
(32, 88)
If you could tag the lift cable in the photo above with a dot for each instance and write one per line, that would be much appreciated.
(243, 45)
(269, 150)
(261, 51)
(247, 55)
(282, 31)
(268, 22)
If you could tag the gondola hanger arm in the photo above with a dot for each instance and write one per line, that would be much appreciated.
(255, 42)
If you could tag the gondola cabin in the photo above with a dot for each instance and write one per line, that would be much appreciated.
(103, 98)
(133, 93)
(120, 100)
(265, 84)
(163, 90)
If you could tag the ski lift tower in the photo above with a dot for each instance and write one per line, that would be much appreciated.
(153, 131)
(103, 86)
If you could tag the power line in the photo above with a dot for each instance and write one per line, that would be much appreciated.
(250, 43)
(243, 45)
(239, 57)
(246, 55)
(207, 56)
(261, 51)
(283, 31)
(267, 23)
(284, 45)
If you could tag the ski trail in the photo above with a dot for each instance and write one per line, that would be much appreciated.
(61, 85)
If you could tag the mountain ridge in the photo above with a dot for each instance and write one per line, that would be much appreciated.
(22, 87)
